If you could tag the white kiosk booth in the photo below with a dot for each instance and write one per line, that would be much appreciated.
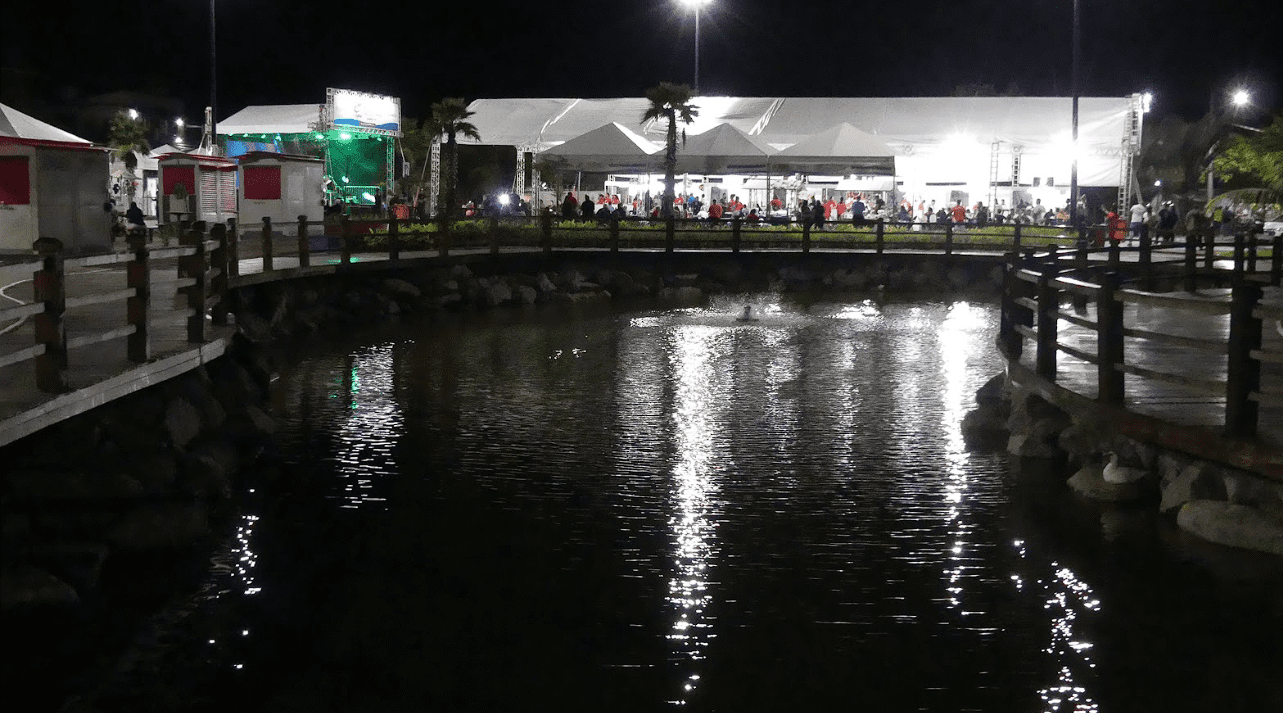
(196, 187)
(281, 187)
(52, 184)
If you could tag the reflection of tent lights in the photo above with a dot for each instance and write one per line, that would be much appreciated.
(344, 136)
(368, 196)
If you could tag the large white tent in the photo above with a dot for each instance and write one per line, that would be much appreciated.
(52, 184)
(977, 146)
(723, 149)
(609, 147)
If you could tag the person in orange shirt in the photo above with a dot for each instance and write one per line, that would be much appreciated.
(959, 213)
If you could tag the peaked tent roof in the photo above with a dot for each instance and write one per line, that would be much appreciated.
(722, 148)
(17, 125)
(273, 119)
(608, 147)
(841, 148)
(841, 140)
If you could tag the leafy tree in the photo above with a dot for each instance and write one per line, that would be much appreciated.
(126, 136)
(416, 147)
(551, 171)
(450, 119)
(1253, 161)
(670, 102)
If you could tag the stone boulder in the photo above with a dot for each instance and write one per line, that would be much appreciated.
(1198, 481)
(1028, 445)
(495, 293)
(182, 422)
(544, 284)
(996, 391)
(398, 289)
(460, 273)
(681, 294)
(525, 295)
(1090, 482)
(1232, 525)
(24, 585)
(984, 429)
(450, 300)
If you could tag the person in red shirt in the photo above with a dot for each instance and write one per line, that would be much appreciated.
(959, 213)
(777, 204)
(752, 216)
(614, 199)
(829, 206)
(840, 209)
(715, 211)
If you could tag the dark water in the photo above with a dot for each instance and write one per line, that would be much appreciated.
(647, 510)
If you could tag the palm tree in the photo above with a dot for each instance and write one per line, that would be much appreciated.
(449, 118)
(672, 102)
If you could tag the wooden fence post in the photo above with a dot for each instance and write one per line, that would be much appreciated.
(880, 241)
(1115, 253)
(304, 247)
(1191, 262)
(443, 238)
(614, 234)
(138, 278)
(1146, 259)
(1081, 271)
(1109, 341)
(345, 240)
(1010, 342)
(196, 267)
(1276, 260)
(806, 237)
(736, 235)
(1015, 236)
(1048, 298)
(1239, 257)
(948, 239)
(493, 226)
(670, 234)
(51, 288)
(1251, 252)
(218, 279)
(545, 230)
(233, 250)
(267, 244)
(394, 238)
(1243, 371)
(1209, 248)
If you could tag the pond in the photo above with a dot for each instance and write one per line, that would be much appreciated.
(611, 509)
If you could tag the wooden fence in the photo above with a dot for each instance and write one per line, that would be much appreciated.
(201, 276)
(1039, 283)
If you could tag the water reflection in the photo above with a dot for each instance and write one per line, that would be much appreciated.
(372, 427)
(695, 424)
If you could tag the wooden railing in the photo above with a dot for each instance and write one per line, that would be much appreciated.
(1038, 283)
(201, 276)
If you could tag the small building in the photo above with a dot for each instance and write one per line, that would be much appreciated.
(281, 187)
(51, 185)
(208, 188)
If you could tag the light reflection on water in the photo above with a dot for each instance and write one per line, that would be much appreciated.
(701, 511)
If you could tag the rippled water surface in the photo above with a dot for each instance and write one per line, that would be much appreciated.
(645, 510)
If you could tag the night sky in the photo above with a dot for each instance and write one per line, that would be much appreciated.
(273, 52)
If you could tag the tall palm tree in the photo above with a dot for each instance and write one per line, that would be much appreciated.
(449, 118)
(672, 102)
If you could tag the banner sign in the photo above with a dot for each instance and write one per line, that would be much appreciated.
(368, 113)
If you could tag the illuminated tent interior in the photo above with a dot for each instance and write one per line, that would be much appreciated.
(942, 148)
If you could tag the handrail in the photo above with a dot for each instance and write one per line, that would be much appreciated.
(1036, 282)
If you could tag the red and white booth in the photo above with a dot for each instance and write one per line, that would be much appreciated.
(281, 187)
(52, 184)
(209, 185)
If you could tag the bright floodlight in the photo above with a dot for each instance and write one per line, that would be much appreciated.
(503, 198)
(133, 113)
(1158, 183)
(1240, 97)
(694, 3)
(178, 122)
(1146, 101)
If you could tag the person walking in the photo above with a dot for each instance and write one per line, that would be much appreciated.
(1137, 222)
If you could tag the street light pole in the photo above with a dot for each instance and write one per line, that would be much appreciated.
(1073, 172)
(213, 86)
(696, 5)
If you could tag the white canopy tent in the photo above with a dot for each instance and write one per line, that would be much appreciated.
(611, 147)
(273, 119)
(723, 149)
(841, 149)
